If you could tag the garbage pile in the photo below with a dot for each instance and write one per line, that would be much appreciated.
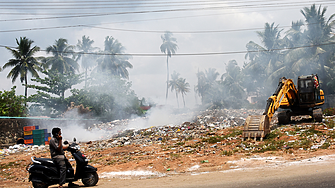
(119, 132)
(201, 124)
(22, 148)
(210, 118)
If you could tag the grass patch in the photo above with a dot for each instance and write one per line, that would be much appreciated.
(227, 153)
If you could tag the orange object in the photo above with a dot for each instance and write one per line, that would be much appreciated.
(29, 141)
(27, 133)
(46, 142)
(49, 138)
(28, 128)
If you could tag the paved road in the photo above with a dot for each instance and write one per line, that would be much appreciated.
(300, 176)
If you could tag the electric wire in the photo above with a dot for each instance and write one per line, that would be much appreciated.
(191, 54)
(146, 31)
(132, 5)
(267, 5)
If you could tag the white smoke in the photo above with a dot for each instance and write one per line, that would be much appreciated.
(158, 116)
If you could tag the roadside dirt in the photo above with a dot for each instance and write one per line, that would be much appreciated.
(167, 159)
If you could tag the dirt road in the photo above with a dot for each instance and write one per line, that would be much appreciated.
(313, 174)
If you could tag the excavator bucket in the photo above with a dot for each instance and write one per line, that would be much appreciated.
(256, 127)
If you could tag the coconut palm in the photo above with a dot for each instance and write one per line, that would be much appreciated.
(168, 47)
(183, 88)
(319, 32)
(60, 61)
(23, 61)
(211, 75)
(202, 86)
(232, 80)
(115, 61)
(266, 59)
(315, 59)
(174, 84)
(85, 47)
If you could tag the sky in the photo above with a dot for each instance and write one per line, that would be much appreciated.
(200, 26)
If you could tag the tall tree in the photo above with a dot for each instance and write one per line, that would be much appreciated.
(115, 61)
(202, 86)
(174, 84)
(183, 88)
(206, 83)
(61, 60)
(168, 47)
(232, 80)
(264, 59)
(23, 62)
(54, 83)
(318, 32)
(87, 60)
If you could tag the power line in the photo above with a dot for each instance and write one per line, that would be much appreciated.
(267, 5)
(193, 54)
(77, 4)
(145, 31)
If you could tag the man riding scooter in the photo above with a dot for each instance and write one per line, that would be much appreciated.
(57, 155)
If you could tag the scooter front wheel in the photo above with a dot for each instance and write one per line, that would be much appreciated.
(39, 185)
(91, 179)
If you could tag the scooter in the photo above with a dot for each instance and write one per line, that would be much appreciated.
(43, 172)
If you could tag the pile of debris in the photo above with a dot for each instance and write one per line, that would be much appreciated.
(200, 122)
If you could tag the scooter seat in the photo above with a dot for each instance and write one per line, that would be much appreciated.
(45, 161)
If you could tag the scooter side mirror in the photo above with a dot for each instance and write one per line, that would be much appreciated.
(74, 139)
(65, 142)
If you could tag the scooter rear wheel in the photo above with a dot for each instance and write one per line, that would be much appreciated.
(90, 179)
(39, 185)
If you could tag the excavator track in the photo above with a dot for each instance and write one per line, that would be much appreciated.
(256, 127)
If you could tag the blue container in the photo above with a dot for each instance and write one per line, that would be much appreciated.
(45, 131)
(46, 135)
(28, 137)
(46, 139)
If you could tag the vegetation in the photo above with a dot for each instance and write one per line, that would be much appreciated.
(12, 105)
(297, 51)
(23, 62)
(281, 54)
(179, 85)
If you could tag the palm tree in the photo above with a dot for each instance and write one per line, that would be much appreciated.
(174, 84)
(85, 45)
(232, 80)
(267, 58)
(114, 62)
(319, 32)
(23, 61)
(318, 29)
(211, 75)
(168, 47)
(60, 60)
(202, 86)
(183, 87)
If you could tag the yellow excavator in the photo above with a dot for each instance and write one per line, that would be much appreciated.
(302, 100)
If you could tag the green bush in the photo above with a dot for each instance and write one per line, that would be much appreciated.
(12, 105)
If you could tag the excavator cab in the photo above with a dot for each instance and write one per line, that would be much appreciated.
(309, 91)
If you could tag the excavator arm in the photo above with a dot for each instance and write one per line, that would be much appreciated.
(285, 97)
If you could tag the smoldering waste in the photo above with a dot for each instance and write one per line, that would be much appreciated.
(208, 138)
